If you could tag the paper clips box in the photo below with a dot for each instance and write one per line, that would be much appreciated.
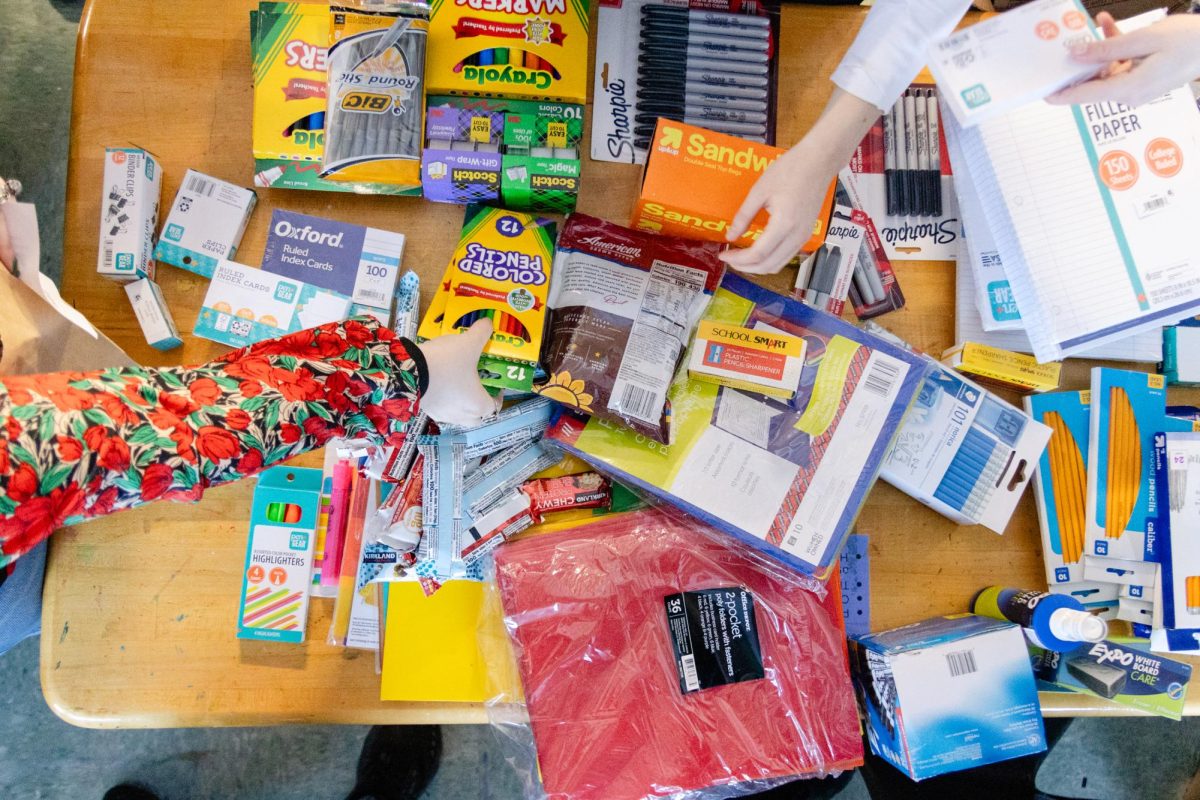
(153, 315)
(964, 452)
(129, 199)
(279, 555)
(244, 305)
(947, 694)
(695, 180)
(358, 262)
(205, 223)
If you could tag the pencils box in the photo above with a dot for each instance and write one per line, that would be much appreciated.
(205, 223)
(129, 197)
(947, 694)
(1003, 369)
(244, 305)
(1060, 483)
(279, 555)
(760, 361)
(695, 181)
(965, 452)
(153, 315)
(353, 260)
(536, 49)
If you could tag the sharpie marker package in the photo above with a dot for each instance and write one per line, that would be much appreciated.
(725, 671)
(375, 117)
(785, 476)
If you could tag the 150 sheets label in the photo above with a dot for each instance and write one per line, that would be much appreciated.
(715, 637)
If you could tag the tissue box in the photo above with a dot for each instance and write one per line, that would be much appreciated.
(948, 694)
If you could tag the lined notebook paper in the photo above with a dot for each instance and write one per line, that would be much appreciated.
(1094, 212)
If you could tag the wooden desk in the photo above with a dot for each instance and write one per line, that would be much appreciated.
(140, 609)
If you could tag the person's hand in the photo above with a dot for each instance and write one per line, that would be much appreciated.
(454, 395)
(7, 256)
(1142, 64)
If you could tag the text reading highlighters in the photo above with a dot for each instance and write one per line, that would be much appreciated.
(501, 271)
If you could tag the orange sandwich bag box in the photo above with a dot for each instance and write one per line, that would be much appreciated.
(696, 179)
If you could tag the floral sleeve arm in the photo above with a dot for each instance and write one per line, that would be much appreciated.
(78, 445)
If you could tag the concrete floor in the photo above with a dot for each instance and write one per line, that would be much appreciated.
(42, 757)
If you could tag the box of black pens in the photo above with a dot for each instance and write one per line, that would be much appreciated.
(710, 64)
(901, 174)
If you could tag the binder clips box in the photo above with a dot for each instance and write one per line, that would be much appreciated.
(129, 215)
(948, 694)
(695, 180)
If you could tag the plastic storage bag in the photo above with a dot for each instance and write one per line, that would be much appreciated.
(602, 619)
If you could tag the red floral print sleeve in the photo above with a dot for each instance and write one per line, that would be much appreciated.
(77, 445)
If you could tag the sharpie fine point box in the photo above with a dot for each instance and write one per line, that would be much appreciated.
(358, 262)
(244, 305)
(947, 694)
(129, 214)
(205, 223)
(279, 555)
(535, 49)
(153, 315)
(695, 180)
(965, 452)
(760, 361)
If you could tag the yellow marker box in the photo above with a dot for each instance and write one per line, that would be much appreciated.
(759, 361)
(1004, 368)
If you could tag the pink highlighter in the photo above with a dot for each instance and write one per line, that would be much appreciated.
(339, 508)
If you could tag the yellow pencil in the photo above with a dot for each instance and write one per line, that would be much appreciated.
(1193, 594)
(1124, 468)
(1066, 477)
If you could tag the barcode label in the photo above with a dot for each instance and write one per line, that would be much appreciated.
(199, 185)
(108, 257)
(961, 663)
(882, 377)
(954, 42)
(690, 679)
(376, 298)
(1152, 204)
(638, 403)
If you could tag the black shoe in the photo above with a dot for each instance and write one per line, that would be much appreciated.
(397, 762)
(130, 791)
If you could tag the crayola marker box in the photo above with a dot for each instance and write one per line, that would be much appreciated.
(695, 180)
(535, 49)
(279, 555)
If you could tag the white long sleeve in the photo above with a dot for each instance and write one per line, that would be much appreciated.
(890, 48)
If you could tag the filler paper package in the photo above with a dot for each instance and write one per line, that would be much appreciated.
(205, 223)
(535, 49)
(947, 694)
(1060, 484)
(1128, 408)
(245, 305)
(500, 271)
(725, 667)
(129, 216)
(623, 307)
(1011, 59)
(153, 315)
(360, 263)
(786, 477)
(710, 62)
(1121, 672)
(964, 452)
(279, 555)
(683, 157)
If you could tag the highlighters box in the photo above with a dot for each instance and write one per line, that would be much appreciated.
(696, 179)
(948, 693)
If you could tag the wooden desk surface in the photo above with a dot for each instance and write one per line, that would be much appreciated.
(140, 609)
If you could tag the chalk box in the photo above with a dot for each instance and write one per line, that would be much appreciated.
(358, 262)
(279, 555)
(947, 694)
(129, 214)
(964, 452)
(153, 315)
(244, 305)
(205, 223)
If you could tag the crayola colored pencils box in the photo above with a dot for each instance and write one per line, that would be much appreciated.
(536, 49)
(279, 555)
(696, 179)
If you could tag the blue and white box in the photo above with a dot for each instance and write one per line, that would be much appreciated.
(246, 305)
(153, 315)
(129, 214)
(948, 694)
(361, 263)
(205, 223)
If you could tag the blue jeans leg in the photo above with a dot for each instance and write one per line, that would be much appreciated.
(21, 599)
